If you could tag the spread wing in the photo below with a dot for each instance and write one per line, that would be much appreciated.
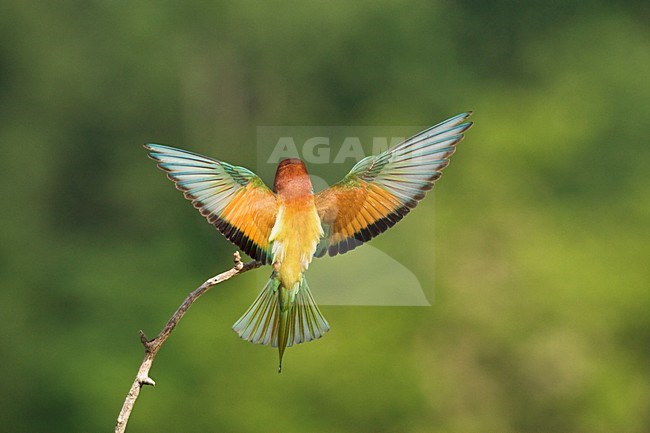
(380, 190)
(232, 198)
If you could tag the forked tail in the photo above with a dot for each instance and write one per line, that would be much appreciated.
(267, 322)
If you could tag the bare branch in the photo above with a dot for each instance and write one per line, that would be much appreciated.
(151, 347)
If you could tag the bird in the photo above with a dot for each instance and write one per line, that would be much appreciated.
(289, 225)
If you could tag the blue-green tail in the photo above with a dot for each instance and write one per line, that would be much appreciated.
(282, 318)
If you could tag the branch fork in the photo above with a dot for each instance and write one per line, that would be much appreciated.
(151, 347)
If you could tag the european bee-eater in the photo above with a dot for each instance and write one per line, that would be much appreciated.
(289, 225)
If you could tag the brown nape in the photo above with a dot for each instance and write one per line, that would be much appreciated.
(292, 179)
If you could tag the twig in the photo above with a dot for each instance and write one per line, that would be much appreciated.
(151, 347)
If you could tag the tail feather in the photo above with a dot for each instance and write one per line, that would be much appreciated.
(259, 322)
(265, 322)
(307, 322)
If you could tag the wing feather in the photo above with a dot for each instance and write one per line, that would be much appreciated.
(231, 198)
(380, 190)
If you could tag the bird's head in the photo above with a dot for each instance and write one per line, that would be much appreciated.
(292, 179)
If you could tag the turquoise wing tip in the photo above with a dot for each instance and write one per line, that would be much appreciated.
(153, 147)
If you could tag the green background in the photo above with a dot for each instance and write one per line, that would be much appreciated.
(540, 319)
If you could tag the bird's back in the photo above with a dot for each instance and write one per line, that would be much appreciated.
(297, 228)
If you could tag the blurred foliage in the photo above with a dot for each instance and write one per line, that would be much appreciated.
(540, 320)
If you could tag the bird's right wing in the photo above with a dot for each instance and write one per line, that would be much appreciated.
(380, 190)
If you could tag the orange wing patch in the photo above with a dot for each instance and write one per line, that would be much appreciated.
(247, 221)
(356, 215)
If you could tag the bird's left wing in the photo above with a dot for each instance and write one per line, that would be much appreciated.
(380, 190)
(234, 199)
